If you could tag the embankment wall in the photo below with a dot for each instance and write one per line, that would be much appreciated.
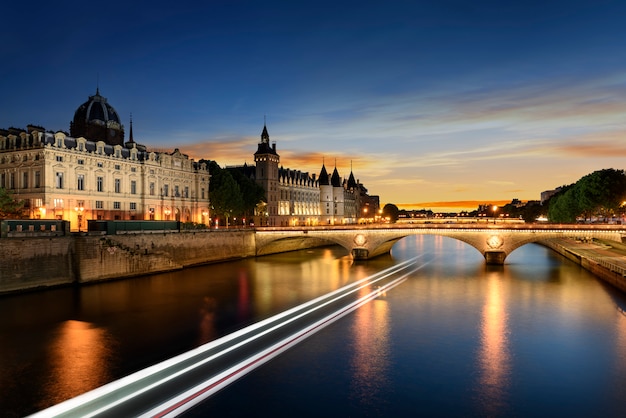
(29, 263)
(611, 277)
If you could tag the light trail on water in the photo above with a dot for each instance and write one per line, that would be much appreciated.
(176, 385)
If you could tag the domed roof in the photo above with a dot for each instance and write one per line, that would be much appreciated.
(96, 109)
(97, 120)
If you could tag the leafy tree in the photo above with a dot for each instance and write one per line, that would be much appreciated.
(600, 193)
(251, 192)
(226, 199)
(391, 211)
(9, 206)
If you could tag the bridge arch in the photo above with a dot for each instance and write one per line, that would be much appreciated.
(494, 243)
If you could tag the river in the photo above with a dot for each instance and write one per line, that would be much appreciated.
(538, 336)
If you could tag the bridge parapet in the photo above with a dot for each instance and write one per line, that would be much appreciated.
(494, 243)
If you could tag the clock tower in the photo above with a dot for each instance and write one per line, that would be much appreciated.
(266, 160)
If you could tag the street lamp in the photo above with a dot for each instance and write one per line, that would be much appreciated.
(495, 209)
(79, 212)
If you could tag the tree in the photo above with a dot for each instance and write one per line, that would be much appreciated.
(226, 199)
(391, 211)
(251, 193)
(9, 206)
(600, 193)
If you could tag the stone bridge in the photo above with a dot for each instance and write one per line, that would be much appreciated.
(494, 242)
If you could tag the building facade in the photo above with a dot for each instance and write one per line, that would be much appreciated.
(80, 179)
(298, 198)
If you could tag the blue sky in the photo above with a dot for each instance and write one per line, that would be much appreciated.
(428, 101)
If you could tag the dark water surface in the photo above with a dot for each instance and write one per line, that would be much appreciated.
(536, 337)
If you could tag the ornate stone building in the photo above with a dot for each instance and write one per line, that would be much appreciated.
(79, 178)
(298, 198)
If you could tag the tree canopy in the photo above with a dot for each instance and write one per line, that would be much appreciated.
(391, 211)
(600, 194)
(9, 206)
(232, 193)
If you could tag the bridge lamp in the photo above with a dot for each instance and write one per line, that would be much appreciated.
(495, 209)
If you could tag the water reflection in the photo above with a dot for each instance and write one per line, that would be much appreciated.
(370, 362)
(493, 357)
(79, 360)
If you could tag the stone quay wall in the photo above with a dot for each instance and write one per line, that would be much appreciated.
(27, 263)
(37, 262)
(606, 262)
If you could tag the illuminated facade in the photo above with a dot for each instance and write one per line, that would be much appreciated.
(298, 198)
(78, 179)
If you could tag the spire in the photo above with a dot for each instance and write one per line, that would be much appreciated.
(130, 137)
(265, 137)
(323, 179)
(335, 179)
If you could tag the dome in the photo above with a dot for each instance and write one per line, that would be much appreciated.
(97, 120)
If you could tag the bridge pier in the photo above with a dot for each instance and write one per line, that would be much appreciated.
(495, 257)
(360, 253)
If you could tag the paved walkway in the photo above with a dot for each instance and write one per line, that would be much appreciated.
(611, 256)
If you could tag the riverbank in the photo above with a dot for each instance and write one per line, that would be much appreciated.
(605, 259)
(44, 262)
(34, 263)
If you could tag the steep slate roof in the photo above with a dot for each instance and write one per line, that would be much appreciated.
(335, 180)
(324, 181)
(264, 145)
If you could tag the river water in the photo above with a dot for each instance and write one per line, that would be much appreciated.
(538, 336)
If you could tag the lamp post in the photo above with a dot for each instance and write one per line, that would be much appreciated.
(495, 209)
(79, 214)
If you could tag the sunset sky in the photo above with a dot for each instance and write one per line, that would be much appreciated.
(428, 101)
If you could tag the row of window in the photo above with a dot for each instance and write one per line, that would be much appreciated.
(58, 204)
(8, 180)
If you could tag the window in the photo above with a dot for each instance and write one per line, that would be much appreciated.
(60, 158)
(117, 205)
(118, 185)
(25, 180)
(81, 147)
(151, 189)
(186, 191)
(133, 187)
(37, 179)
(133, 169)
(59, 180)
(99, 204)
(99, 184)
(81, 182)
(100, 165)
(203, 193)
(166, 190)
(176, 193)
(117, 166)
(58, 203)
(133, 206)
(81, 162)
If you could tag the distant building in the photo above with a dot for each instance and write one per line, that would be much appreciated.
(93, 174)
(548, 194)
(299, 198)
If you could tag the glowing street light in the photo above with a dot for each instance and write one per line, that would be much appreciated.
(79, 211)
